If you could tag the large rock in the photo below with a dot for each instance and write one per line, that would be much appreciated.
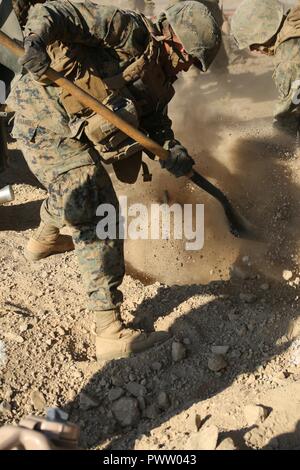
(126, 411)
(38, 401)
(205, 439)
(255, 414)
(227, 444)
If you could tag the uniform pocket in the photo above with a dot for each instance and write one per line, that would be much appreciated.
(23, 129)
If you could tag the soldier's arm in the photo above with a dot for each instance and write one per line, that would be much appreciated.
(86, 23)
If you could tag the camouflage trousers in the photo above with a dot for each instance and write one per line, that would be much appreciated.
(74, 195)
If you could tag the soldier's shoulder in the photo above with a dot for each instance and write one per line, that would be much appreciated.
(288, 51)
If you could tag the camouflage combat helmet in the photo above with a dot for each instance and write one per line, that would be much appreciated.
(256, 21)
(197, 30)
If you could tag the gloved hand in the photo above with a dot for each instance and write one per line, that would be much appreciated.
(35, 59)
(179, 163)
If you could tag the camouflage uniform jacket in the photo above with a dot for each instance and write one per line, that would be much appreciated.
(115, 39)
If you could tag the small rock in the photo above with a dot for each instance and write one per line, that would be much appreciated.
(23, 328)
(219, 349)
(163, 400)
(142, 403)
(248, 298)
(13, 337)
(217, 362)
(38, 400)
(5, 408)
(265, 286)
(246, 259)
(241, 330)
(255, 414)
(293, 329)
(126, 411)
(151, 411)
(71, 395)
(117, 381)
(205, 439)
(227, 444)
(187, 341)
(238, 273)
(60, 331)
(251, 379)
(3, 356)
(156, 366)
(136, 389)
(178, 351)
(115, 393)
(287, 275)
(87, 402)
(193, 422)
(297, 281)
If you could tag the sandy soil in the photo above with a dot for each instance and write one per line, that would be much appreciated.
(239, 295)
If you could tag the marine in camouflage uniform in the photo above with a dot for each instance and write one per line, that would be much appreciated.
(122, 59)
(266, 28)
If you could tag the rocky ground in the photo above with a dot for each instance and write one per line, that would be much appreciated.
(229, 377)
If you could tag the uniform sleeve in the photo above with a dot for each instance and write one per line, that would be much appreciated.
(159, 127)
(287, 81)
(87, 23)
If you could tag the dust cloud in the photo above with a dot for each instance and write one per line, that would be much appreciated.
(251, 164)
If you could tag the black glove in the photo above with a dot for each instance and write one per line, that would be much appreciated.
(35, 59)
(179, 163)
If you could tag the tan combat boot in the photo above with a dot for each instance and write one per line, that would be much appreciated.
(47, 241)
(114, 341)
